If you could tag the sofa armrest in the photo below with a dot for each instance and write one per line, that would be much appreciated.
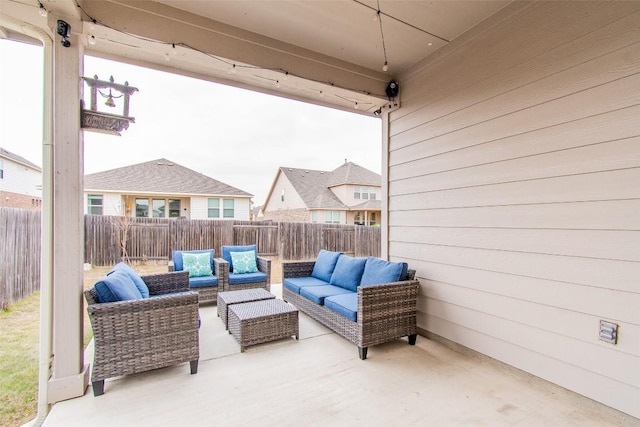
(264, 266)
(221, 271)
(387, 301)
(171, 266)
(166, 283)
(297, 269)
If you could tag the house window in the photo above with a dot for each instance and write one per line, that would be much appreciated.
(314, 216)
(365, 193)
(1, 170)
(357, 218)
(372, 218)
(282, 196)
(94, 204)
(159, 208)
(142, 208)
(213, 208)
(174, 208)
(356, 193)
(332, 217)
(372, 195)
(227, 208)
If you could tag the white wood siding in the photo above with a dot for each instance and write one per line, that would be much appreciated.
(514, 190)
(199, 208)
(112, 204)
(20, 179)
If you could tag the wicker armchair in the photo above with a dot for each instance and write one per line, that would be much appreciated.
(140, 335)
(385, 312)
(239, 282)
(208, 293)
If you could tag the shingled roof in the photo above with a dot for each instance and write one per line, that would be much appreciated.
(18, 159)
(313, 186)
(159, 176)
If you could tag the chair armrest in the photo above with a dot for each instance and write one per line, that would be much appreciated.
(171, 266)
(387, 301)
(165, 283)
(140, 317)
(264, 266)
(297, 269)
(221, 271)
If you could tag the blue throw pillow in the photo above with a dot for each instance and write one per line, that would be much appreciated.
(226, 253)
(137, 280)
(380, 271)
(117, 286)
(348, 272)
(178, 263)
(244, 262)
(325, 263)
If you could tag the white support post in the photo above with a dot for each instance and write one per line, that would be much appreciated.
(70, 374)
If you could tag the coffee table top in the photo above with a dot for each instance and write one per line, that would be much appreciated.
(232, 297)
(256, 309)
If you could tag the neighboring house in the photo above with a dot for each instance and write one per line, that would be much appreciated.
(163, 189)
(20, 182)
(350, 194)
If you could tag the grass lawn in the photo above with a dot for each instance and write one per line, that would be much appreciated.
(19, 335)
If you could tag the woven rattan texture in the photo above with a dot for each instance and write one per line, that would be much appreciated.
(262, 321)
(225, 299)
(385, 312)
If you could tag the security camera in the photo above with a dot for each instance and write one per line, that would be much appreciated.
(64, 30)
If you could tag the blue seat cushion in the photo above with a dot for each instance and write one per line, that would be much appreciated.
(178, 264)
(294, 284)
(226, 253)
(137, 280)
(203, 281)
(236, 279)
(345, 305)
(348, 272)
(317, 294)
(377, 271)
(117, 286)
(324, 265)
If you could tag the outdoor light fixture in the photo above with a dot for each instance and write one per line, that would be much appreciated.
(392, 89)
(64, 30)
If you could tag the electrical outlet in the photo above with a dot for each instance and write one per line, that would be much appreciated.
(608, 332)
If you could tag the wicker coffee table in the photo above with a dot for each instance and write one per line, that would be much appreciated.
(262, 321)
(227, 298)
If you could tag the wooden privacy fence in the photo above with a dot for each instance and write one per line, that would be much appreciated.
(110, 239)
(20, 256)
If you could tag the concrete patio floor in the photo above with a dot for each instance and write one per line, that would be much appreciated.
(320, 381)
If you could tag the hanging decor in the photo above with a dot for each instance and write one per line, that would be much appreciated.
(100, 121)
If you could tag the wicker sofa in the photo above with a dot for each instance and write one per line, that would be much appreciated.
(368, 314)
(141, 334)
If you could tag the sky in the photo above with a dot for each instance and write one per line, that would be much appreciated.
(233, 135)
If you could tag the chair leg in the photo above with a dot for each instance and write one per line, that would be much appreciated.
(194, 366)
(362, 352)
(98, 387)
(412, 339)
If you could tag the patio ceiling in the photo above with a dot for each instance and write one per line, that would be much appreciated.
(324, 52)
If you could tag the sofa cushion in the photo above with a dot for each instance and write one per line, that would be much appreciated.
(294, 284)
(137, 280)
(239, 278)
(348, 272)
(176, 256)
(226, 253)
(117, 286)
(377, 270)
(244, 262)
(198, 265)
(203, 281)
(345, 305)
(317, 294)
(324, 265)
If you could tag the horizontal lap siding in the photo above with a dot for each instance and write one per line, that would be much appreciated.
(514, 191)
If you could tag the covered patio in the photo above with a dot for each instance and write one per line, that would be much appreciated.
(511, 157)
(320, 381)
